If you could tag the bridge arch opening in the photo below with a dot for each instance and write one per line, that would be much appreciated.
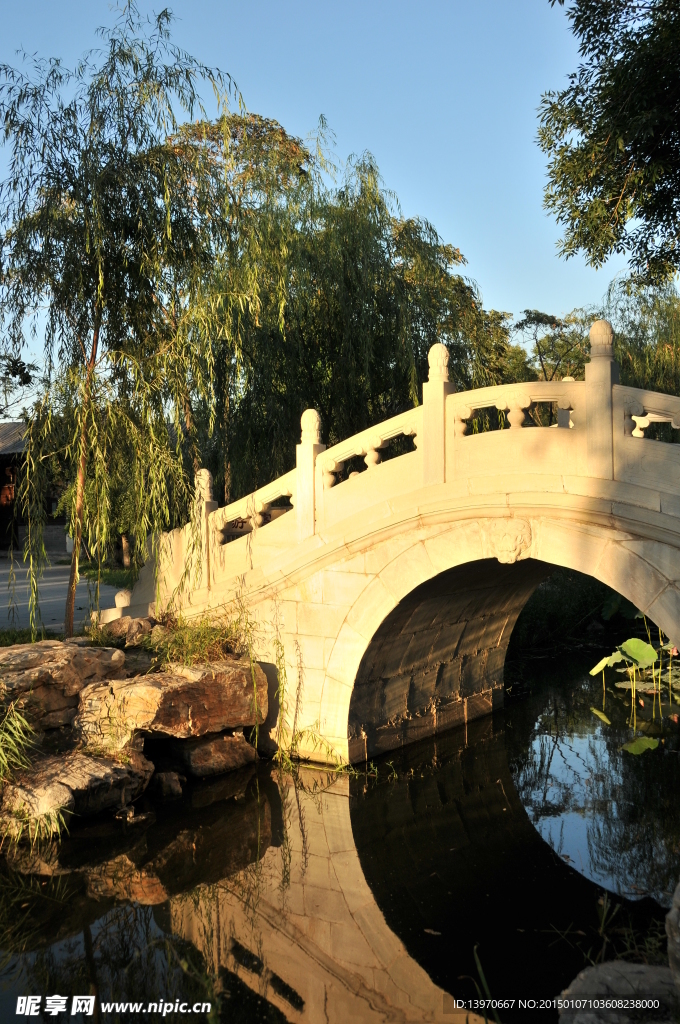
(437, 659)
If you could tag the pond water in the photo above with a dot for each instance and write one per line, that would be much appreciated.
(530, 837)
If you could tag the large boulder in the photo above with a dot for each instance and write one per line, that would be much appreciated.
(213, 755)
(73, 783)
(673, 936)
(45, 679)
(181, 702)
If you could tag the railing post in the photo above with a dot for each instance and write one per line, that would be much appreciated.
(435, 390)
(305, 460)
(602, 372)
(204, 492)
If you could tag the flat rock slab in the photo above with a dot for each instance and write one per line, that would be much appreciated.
(45, 678)
(74, 783)
(213, 755)
(181, 703)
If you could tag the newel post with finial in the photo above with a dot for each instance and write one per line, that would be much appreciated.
(435, 390)
(602, 372)
(305, 460)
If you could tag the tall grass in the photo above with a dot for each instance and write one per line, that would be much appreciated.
(188, 643)
(16, 742)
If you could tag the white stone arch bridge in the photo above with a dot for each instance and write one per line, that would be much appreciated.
(392, 594)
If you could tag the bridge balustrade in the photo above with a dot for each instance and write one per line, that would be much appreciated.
(595, 442)
(597, 434)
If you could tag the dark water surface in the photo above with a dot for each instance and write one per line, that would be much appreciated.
(326, 898)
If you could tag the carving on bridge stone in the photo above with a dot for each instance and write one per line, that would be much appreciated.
(310, 421)
(204, 484)
(508, 540)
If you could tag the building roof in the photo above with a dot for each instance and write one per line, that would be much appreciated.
(12, 434)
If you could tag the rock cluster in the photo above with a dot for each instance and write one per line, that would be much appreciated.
(45, 679)
(197, 713)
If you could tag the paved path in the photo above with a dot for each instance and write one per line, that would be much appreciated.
(53, 587)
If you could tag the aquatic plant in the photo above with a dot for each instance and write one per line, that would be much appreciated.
(636, 656)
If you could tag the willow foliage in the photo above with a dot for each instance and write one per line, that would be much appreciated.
(110, 218)
(646, 324)
(200, 285)
(351, 295)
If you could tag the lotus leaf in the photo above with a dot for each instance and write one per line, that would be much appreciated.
(639, 745)
(643, 654)
(607, 662)
(601, 714)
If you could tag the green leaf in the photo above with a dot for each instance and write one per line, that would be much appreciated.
(639, 745)
(643, 654)
(601, 714)
(607, 662)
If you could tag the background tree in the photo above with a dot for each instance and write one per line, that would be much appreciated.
(646, 324)
(111, 215)
(559, 345)
(612, 136)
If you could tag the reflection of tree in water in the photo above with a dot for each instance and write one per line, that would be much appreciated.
(565, 762)
(635, 834)
(123, 956)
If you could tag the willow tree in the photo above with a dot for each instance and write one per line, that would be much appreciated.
(110, 218)
(351, 295)
(646, 323)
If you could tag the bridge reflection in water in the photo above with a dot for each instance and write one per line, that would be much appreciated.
(311, 897)
(371, 906)
(301, 926)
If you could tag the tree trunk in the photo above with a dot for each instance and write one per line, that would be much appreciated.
(80, 492)
(189, 423)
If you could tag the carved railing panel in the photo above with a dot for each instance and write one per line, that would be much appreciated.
(639, 459)
(515, 400)
(254, 510)
(368, 444)
(520, 445)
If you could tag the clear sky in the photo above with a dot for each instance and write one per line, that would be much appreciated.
(444, 93)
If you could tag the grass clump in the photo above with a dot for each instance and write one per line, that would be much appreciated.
(189, 643)
(16, 742)
(112, 576)
(38, 830)
(9, 637)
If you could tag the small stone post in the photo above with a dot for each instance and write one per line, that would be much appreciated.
(305, 460)
(435, 390)
(601, 373)
(204, 490)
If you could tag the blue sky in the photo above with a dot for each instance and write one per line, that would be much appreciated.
(444, 94)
